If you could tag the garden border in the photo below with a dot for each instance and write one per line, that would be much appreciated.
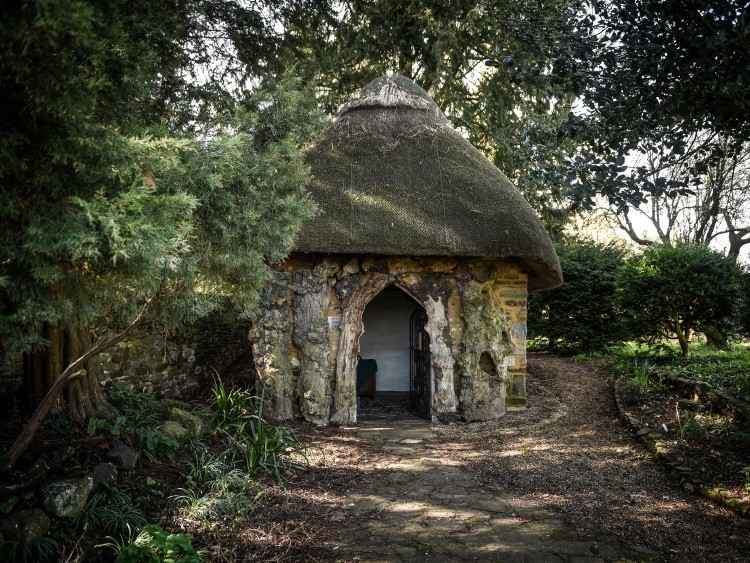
(662, 449)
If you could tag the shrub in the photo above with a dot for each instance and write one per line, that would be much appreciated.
(674, 291)
(581, 315)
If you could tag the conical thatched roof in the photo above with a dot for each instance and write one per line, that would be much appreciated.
(391, 176)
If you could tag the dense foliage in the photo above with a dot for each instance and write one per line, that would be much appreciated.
(582, 314)
(108, 199)
(674, 291)
(490, 66)
(659, 72)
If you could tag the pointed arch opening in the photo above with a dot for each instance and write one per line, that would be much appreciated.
(392, 339)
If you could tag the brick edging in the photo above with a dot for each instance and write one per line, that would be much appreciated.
(664, 451)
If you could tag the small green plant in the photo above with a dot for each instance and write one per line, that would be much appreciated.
(745, 472)
(154, 443)
(42, 549)
(97, 424)
(111, 511)
(151, 441)
(265, 448)
(7, 506)
(232, 407)
(217, 488)
(130, 400)
(689, 425)
(153, 544)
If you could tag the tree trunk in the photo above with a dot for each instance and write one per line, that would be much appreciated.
(75, 370)
(683, 336)
(715, 337)
(82, 398)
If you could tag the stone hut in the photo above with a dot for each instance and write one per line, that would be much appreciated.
(421, 257)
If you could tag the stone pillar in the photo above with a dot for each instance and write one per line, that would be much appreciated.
(486, 344)
(271, 339)
(511, 293)
(312, 337)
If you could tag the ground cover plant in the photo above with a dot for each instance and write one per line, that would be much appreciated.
(728, 370)
(711, 444)
(182, 491)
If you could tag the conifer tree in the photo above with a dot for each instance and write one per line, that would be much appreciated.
(109, 201)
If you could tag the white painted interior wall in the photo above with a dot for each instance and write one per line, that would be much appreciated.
(386, 338)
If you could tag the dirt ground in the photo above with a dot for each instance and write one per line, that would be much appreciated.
(560, 481)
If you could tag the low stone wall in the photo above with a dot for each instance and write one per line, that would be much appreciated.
(171, 365)
(11, 373)
(664, 450)
(705, 393)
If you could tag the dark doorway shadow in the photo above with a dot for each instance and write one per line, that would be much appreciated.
(385, 406)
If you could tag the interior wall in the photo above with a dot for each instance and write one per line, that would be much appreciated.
(386, 338)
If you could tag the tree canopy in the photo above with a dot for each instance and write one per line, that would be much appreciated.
(656, 74)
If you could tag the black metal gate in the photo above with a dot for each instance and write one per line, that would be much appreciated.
(419, 372)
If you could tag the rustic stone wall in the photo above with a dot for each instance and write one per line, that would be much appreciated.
(306, 336)
(170, 365)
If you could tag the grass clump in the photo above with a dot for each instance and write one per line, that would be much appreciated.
(262, 447)
(111, 511)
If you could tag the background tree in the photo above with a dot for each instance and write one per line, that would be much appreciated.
(675, 291)
(583, 314)
(490, 66)
(660, 72)
(717, 210)
(107, 200)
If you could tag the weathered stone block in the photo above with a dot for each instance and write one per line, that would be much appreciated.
(190, 422)
(104, 476)
(67, 498)
(123, 456)
(173, 429)
(25, 526)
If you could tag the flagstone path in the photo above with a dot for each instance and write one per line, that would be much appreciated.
(418, 505)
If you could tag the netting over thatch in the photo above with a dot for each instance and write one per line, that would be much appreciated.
(392, 177)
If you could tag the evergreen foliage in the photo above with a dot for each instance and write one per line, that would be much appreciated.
(581, 315)
(655, 74)
(490, 66)
(107, 197)
(674, 291)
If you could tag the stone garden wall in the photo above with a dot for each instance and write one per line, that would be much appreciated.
(167, 365)
(171, 365)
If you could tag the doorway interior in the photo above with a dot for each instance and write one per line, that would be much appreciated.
(394, 340)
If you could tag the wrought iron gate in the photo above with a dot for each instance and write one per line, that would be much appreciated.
(419, 372)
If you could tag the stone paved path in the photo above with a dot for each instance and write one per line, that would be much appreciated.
(416, 505)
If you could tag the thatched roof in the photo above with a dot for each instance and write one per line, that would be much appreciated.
(392, 177)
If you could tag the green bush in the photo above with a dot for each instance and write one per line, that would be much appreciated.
(671, 292)
(581, 315)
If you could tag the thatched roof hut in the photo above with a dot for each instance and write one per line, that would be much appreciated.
(392, 177)
(420, 260)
